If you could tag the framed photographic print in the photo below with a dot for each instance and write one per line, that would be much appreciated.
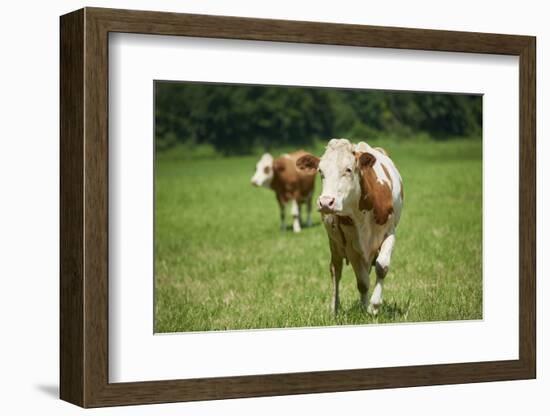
(255, 207)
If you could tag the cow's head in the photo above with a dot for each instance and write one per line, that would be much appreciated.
(340, 169)
(263, 174)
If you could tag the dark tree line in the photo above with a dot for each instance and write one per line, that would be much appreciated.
(237, 119)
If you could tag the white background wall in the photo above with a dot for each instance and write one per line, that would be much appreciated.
(29, 209)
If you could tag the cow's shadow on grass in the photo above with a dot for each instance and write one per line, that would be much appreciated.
(393, 310)
(390, 311)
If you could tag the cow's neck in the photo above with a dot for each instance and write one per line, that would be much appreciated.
(275, 183)
(279, 187)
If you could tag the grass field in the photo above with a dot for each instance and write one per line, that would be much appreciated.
(221, 262)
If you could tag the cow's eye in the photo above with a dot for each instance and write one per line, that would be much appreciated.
(348, 170)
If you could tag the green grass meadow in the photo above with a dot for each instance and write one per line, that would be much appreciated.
(221, 262)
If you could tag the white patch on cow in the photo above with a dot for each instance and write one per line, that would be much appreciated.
(295, 210)
(380, 174)
(264, 171)
(376, 299)
(338, 170)
(361, 147)
(386, 249)
(382, 266)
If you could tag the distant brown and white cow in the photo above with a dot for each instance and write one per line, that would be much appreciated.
(360, 205)
(289, 184)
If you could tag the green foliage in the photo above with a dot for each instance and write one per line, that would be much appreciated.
(222, 263)
(239, 119)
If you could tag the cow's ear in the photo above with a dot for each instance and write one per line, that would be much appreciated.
(308, 163)
(365, 160)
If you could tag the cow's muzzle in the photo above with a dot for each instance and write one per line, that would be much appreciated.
(326, 204)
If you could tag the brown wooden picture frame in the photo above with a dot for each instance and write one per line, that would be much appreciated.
(84, 207)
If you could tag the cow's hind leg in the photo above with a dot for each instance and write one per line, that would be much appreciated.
(296, 216)
(362, 271)
(382, 266)
(336, 264)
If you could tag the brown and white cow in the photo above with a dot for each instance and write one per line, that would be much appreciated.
(289, 183)
(360, 205)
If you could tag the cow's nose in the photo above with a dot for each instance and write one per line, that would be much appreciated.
(326, 202)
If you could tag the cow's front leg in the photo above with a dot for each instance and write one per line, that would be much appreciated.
(382, 266)
(336, 263)
(295, 209)
(308, 202)
(361, 269)
(282, 209)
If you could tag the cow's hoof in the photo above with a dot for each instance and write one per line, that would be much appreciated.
(373, 309)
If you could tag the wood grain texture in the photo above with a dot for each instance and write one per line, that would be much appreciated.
(84, 207)
(227, 27)
(527, 208)
(96, 218)
(71, 213)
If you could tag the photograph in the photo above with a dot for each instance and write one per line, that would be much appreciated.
(303, 206)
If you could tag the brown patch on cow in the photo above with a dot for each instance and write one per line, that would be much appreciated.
(382, 150)
(279, 165)
(375, 196)
(289, 182)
